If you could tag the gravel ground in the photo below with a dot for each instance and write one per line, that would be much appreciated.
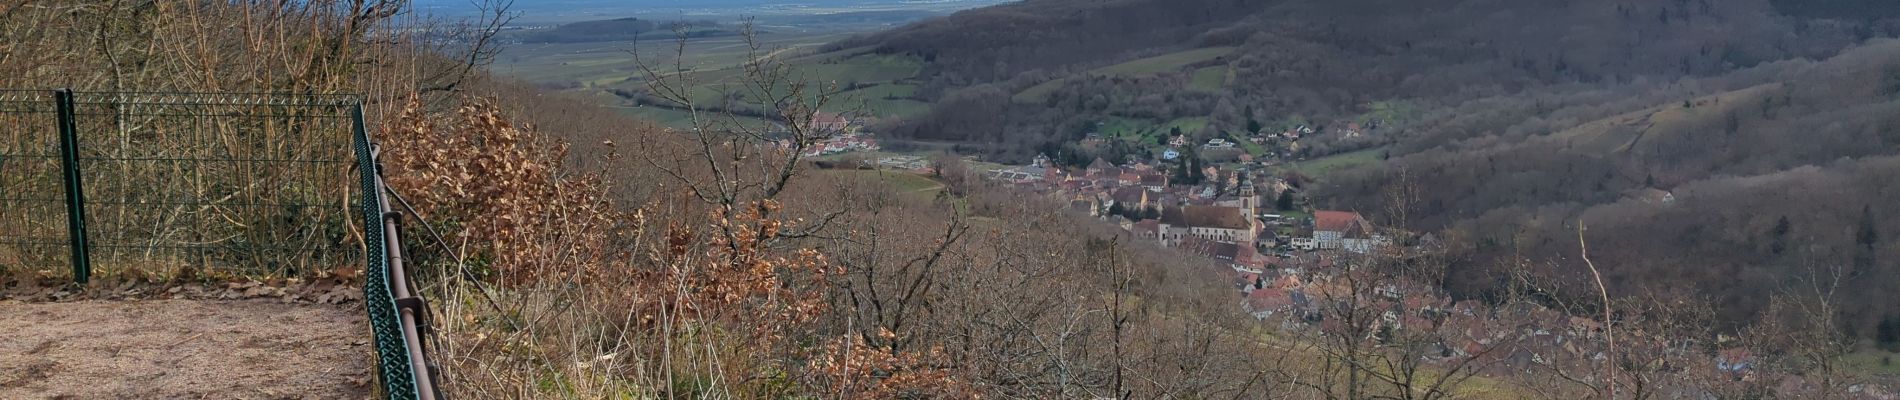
(183, 349)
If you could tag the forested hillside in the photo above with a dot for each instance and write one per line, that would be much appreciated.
(1774, 169)
(1321, 60)
(1771, 123)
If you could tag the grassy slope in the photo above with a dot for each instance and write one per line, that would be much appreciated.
(605, 63)
(1163, 63)
(1143, 67)
(1320, 167)
(1209, 78)
(882, 100)
(1873, 361)
(892, 90)
(610, 65)
(1619, 133)
(1187, 125)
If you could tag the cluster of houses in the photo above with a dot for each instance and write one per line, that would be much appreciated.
(845, 136)
(1222, 218)
(1286, 270)
(843, 143)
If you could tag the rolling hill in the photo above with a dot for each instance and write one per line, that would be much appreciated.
(1771, 123)
(1319, 60)
(1809, 145)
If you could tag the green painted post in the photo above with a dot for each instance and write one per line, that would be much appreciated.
(75, 193)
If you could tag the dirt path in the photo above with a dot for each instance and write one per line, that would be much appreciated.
(247, 349)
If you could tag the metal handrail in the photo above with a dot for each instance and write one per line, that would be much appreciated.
(397, 316)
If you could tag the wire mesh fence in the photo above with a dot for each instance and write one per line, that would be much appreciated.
(180, 184)
(169, 183)
(33, 226)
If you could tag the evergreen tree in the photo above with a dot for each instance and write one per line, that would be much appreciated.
(1286, 200)
(1778, 241)
(1197, 173)
(1868, 235)
(1888, 333)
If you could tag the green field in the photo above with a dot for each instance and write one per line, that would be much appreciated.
(884, 91)
(608, 63)
(864, 68)
(1249, 146)
(889, 100)
(1187, 125)
(1396, 111)
(881, 108)
(1873, 361)
(842, 71)
(1143, 67)
(1320, 167)
(1163, 63)
(1209, 78)
(1039, 92)
(886, 95)
(712, 71)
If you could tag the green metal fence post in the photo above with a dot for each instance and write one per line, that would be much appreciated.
(75, 192)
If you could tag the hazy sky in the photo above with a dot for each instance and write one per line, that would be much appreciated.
(675, 5)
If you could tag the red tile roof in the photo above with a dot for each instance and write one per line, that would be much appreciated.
(1337, 221)
(1268, 299)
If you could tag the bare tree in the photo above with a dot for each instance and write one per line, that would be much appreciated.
(477, 41)
(1802, 330)
(1401, 196)
(1386, 333)
(732, 162)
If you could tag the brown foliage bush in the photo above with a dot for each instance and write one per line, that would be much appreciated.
(696, 295)
(502, 187)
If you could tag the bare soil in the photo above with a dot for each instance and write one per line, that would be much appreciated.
(183, 349)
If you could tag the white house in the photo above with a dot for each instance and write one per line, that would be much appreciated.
(1344, 230)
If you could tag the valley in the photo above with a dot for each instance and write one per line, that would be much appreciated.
(953, 199)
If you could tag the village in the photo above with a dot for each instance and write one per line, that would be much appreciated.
(1285, 259)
